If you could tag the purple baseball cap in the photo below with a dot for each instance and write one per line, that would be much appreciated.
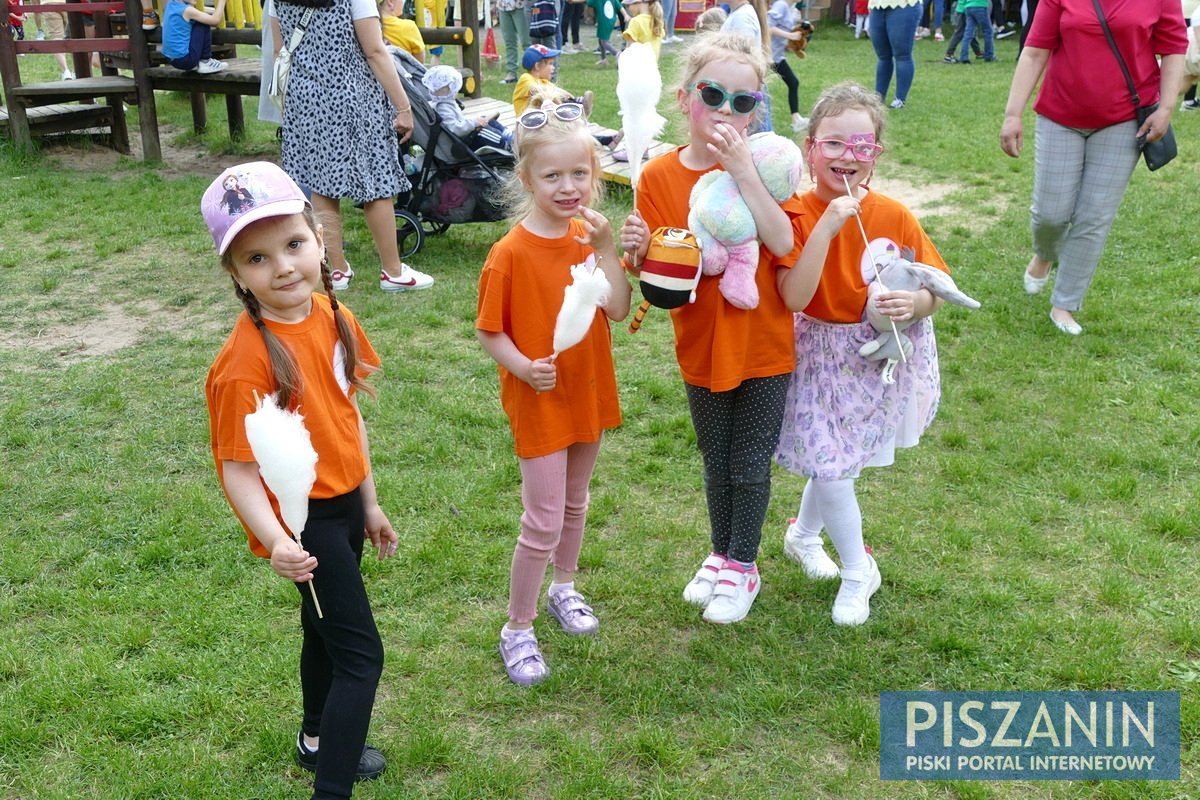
(247, 193)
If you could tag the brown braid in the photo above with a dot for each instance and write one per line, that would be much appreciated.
(288, 381)
(345, 334)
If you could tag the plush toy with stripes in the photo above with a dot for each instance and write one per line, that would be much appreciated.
(669, 273)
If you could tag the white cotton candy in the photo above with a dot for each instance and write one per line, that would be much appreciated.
(639, 86)
(588, 290)
(286, 459)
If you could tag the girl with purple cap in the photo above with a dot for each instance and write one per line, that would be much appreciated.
(307, 351)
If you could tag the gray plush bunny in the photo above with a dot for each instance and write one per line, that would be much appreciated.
(903, 274)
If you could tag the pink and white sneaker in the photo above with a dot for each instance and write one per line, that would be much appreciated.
(341, 278)
(699, 590)
(408, 280)
(733, 595)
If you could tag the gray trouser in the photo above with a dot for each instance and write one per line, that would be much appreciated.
(1079, 178)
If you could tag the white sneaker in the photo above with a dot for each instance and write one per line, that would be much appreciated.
(799, 124)
(341, 279)
(673, 39)
(732, 596)
(209, 66)
(809, 553)
(853, 603)
(699, 591)
(67, 75)
(408, 280)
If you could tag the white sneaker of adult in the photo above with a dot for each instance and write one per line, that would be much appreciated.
(408, 280)
(732, 596)
(853, 603)
(809, 552)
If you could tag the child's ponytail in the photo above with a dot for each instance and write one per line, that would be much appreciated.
(660, 25)
(345, 335)
(288, 382)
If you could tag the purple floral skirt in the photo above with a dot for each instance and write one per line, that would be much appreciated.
(840, 416)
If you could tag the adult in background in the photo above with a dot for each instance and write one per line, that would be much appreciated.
(514, 27)
(343, 110)
(1085, 140)
(893, 26)
(670, 8)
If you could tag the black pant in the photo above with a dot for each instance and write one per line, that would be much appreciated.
(342, 655)
(791, 82)
(737, 432)
(572, 16)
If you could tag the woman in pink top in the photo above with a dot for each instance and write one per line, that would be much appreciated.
(1086, 139)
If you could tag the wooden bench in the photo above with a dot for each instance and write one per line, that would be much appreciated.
(613, 171)
(36, 109)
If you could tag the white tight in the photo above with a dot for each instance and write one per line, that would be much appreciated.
(832, 505)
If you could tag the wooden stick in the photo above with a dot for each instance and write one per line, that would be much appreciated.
(874, 266)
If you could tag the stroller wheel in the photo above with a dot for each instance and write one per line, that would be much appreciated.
(410, 236)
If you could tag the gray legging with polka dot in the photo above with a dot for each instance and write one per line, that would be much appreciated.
(737, 432)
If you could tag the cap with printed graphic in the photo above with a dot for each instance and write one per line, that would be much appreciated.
(247, 193)
(537, 52)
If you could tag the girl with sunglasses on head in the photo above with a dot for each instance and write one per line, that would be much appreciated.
(841, 415)
(558, 405)
(735, 362)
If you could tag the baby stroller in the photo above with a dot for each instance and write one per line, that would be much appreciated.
(451, 182)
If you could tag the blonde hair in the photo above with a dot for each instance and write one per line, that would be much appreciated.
(710, 47)
(847, 96)
(656, 13)
(284, 370)
(527, 142)
(711, 20)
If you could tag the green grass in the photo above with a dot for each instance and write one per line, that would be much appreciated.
(1043, 536)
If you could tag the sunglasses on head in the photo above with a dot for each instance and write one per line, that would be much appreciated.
(860, 151)
(714, 95)
(567, 112)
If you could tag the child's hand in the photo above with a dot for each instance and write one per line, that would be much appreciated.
(839, 211)
(290, 561)
(731, 151)
(898, 305)
(599, 231)
(543, 375)
(635, 237)
(379, 531)
(482, 120)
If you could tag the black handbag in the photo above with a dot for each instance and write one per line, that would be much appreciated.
(1158, 153)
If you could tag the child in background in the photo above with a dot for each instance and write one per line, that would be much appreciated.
(558, 407)
(646, 25)
(841, 416)
(862, 13)
(310, 350)
(187, 35)
(538, 62)
(976, 13)
(711, 20)
(960, 29)
(780, 22)
(399, 31)
(607, 13)
(444, 83)
(735, 363)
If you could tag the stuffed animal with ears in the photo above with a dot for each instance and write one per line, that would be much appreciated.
(798, 46)
(722, 221)
(898, 272)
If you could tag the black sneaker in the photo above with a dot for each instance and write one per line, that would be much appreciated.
(370, 766)
(1190, 105)
(949, 59)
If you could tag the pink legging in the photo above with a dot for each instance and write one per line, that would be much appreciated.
(554, 490)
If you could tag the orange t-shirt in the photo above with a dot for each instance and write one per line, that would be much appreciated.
(520, 294)
(242, 368)
(841, 293)
(718, 345)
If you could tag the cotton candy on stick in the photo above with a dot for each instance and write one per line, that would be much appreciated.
(588, 290)
(287, 462)
(639, 86)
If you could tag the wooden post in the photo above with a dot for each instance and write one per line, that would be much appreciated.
(139, 58)
(10, 76)
(469, 9)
